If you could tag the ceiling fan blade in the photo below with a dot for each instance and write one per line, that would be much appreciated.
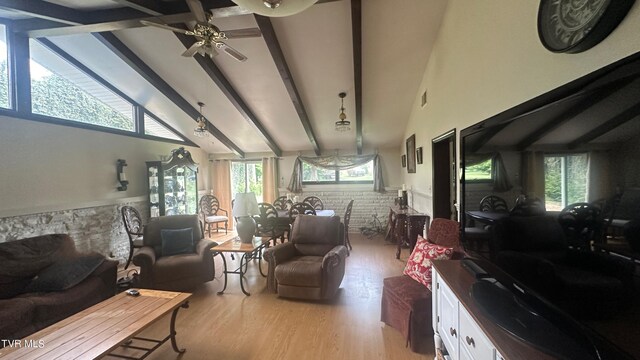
(193, 49)
(243, 33)
(198, 11)
(166, 27)
(234, 53)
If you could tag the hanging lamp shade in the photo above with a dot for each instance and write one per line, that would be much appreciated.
(275, 8)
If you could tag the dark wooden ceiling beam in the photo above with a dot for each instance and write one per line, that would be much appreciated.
(487, 136)
(232, 95)
(356, 31)
(590, 99)
(269, 35)
(43, 10)
(627, 115)
(124, 53)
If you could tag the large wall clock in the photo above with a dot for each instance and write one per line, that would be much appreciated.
(574, 26)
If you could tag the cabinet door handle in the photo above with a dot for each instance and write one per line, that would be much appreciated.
(470, 341)
(453, 332)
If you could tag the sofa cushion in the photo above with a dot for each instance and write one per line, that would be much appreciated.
(177, 241)
(26, 257)
(419, 264)
(10, 286)
(177, 267)
(16, 315)
(305, 271)
(51, 307)
(65, 273)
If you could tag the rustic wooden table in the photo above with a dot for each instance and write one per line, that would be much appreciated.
(102, 328)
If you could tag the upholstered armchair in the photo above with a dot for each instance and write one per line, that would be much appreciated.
(174, 255)
(311, 265)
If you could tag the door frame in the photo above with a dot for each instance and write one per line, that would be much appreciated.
(450, 138)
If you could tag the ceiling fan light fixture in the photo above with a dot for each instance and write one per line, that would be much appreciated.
(275, 8)
(201, 126)
(272, 4)
(343, 124)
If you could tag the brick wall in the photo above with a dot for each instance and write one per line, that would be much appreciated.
(365, 205)
(98, 229)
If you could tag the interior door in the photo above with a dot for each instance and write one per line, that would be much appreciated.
(444, 176)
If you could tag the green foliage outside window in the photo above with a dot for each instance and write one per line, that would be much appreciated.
(55, 96)
(573, 184)
(478, 172)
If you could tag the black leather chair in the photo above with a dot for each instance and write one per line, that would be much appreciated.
(534, 250)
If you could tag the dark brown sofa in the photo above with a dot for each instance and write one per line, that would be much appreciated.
(28, 302)
(181, 272)
(311, 265)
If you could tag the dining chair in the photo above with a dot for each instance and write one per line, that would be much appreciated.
(493, 203)
(300, 208)
(212, 213)
(134, 228)
(266, 222)
(281, 203)
(315, 202)
(347, 218)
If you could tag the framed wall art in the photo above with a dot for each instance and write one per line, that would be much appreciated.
(419, 155)
(404, 161)
(411, 154)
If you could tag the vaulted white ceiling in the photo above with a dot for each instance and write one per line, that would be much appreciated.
(318, 47)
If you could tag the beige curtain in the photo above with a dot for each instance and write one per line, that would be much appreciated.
(533, 174)
(598, 176)
(269, 179)
(222, 186)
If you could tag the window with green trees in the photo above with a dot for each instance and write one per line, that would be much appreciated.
(362, 174)
(565, 180)
(4, 70)
(246, 177)
(479, 172)
(58, 89)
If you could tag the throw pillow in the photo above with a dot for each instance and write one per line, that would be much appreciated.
(419, 263)
(65, 273)
(177, 241)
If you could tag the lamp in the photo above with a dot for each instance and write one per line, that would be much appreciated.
(245, 206)
(122, 176)
(201, 127)
(275, 8)
(343, 124)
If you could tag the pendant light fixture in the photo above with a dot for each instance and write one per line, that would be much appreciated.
(275, 8)
(201, 127)
(343, 124)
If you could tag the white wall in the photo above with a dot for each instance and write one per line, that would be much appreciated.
(46, 167)
(487, 59)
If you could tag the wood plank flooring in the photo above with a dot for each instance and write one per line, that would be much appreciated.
(263, 326)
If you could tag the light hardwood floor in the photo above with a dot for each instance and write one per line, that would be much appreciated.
(264, 326)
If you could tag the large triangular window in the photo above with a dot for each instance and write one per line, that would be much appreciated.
(60, 90)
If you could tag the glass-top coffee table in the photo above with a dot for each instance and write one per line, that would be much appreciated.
(249, 251)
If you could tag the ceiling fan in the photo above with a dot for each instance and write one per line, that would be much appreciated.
(209, 39)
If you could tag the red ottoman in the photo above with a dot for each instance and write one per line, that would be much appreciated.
(406, 307)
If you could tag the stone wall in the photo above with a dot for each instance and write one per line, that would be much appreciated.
(98, 229)
(365, 205)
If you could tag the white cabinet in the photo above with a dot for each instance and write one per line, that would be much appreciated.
(461, 336)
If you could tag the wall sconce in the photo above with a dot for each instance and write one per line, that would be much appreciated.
(122, 176)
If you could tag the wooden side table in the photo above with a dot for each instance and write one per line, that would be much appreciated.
(249, 251)
(404, 227)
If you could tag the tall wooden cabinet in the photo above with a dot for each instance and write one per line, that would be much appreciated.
(173, 185)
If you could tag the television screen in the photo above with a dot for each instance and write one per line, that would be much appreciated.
(550, 193)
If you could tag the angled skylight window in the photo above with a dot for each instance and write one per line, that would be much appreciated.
(60, 90)
(154, 128)
(4, 70)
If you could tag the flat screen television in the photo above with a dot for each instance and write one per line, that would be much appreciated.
(577, 143)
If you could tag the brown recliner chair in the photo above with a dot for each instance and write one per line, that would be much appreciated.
(311, 265)
(182, 272)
